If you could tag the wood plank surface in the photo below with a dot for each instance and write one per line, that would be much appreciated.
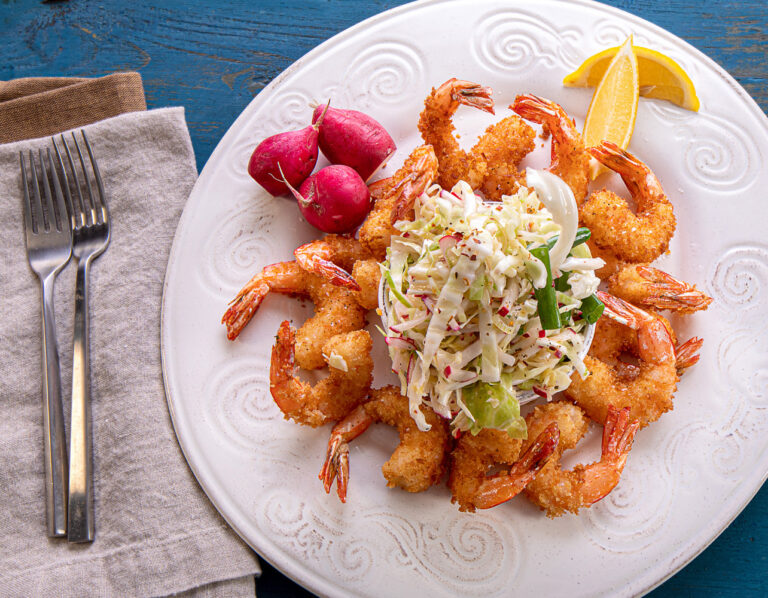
(213, 57)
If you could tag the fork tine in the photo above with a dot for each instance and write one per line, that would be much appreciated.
(28, 224)
(46, 187)
(64, 216)
(73, 214)
(91, 203)
(80, 207)
(99, 183)
(37, 206)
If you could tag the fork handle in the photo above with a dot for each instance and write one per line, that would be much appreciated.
(54, 441)
(81, 516)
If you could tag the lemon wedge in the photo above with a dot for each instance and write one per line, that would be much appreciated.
(660, 77)
(612, 112)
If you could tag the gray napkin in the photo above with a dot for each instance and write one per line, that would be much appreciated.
(156, 532)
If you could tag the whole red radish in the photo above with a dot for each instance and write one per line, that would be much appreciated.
(334, 199)
(288, 156)
(352, 138)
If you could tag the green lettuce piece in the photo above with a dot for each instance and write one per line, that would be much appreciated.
(476, 288)
(493, 406)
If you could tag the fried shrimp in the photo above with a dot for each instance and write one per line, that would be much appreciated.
(502, 147)
(473, 456)
(634, 237)
(557, 491)
(646, 286)
(612, 263)
(367, 275)
(334, 256)
(491, 165)
(646, 388)
(345, 387)
(336, 308)
(570, 160)
(409, 182)
(437, 130)
(417, 463)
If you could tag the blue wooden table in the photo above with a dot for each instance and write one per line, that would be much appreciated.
(212, 57)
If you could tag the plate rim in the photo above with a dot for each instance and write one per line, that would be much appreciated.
(288, 567)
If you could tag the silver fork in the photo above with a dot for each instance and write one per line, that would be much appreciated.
(90, 225)
(49, 246)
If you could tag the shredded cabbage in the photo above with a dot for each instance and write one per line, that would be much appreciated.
(462, 325)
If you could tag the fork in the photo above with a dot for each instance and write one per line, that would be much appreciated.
(48, 236)
(90, 226)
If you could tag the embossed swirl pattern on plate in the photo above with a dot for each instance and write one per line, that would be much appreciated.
(464, 552)
(718, 154)
(667, 112)
(315, 535)
(685, 472)
(383, 74)
(238, 243)
(715, 153)
(635, 512)
(698, 451)
(294, 111)
(739, 279)
(516, 41)
(743, 361)
(238, 406)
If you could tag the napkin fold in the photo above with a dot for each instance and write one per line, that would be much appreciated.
(156, 532)
(39, 106)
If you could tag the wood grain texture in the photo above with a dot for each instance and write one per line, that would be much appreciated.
(213, 57)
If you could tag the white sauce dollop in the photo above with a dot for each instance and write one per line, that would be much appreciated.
(559, 200)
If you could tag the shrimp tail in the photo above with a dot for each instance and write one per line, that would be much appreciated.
(414, 183)
(502, 487)
(618, 435)
(336, 467)
(336, 464)
(687, 354)
(320, 257)
(667, 292)
(611, 155)
(619, 310)
(242, 308)
(282, 366)
(247, 301)
(467, 93)
(636, 175)
(533, 107)
(327, 269)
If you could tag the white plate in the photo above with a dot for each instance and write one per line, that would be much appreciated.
(688, 475)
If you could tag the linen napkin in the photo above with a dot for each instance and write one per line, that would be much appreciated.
(39, 106)
(156, 532)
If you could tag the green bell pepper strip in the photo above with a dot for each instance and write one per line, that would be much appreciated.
(592, 308)
(582, 236)
(545, 296)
